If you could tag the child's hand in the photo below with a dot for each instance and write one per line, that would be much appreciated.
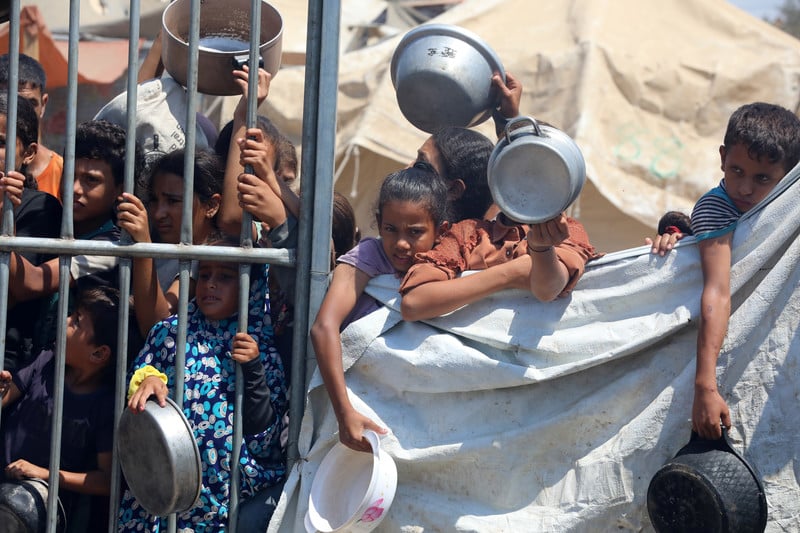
(510, 94)
(708, 410)
(12, 185)
(241, 78)
(548, 234)
(663, 243)
(257, 198)
(132, 217)
(244, 349)
(5, 381)
(151, 385)
(351, 430)
(22, 469)
(260, 154)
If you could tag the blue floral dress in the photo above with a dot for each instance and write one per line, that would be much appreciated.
(210, 378)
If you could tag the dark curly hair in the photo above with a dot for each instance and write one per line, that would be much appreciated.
(105, 141)
(767, 130)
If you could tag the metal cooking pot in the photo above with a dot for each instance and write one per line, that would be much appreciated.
(708, 487)
(352, 491)
(442, 75)
(23, 507)
(535, 171)
(159, 458)
(224, 42)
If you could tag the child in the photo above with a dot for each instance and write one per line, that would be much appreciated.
(548, 259)
(36, 214)
(411, 214)
(672, 227)
(762, 144)
(46, 166)
(154, 283)
(100, 155)
(212, 350)
(88, 409)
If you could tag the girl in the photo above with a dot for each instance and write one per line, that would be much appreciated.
(411, 214)
(155, 284)
(213, 347)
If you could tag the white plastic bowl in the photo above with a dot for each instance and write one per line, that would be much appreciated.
(352, 491)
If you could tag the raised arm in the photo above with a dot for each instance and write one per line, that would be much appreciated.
(230, 213)
(548, 275)
(152, 305)
(347, 285)
(709, 408)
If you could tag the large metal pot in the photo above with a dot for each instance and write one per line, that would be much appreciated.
(442, 75)
(351, 491)
(707, 487)
(535, 171)
(159, 458)
(224, 42)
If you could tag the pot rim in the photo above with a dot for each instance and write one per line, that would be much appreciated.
(262, 46)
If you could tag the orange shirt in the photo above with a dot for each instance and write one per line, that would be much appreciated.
(474, 244)
(50, 179)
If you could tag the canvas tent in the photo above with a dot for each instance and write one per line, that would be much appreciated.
(644, 88)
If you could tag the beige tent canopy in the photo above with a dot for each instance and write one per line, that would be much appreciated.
(645, 89)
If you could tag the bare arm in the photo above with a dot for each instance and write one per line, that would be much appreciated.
(27, 281)
(347, 285)
(96, 482)
(715, 306)
(151, 302)
(152, 66)
(230, 213)
(438, 298)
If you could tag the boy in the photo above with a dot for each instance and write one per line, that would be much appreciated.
(47, 165)
(762, 144)
(88, 409)
(99, 175)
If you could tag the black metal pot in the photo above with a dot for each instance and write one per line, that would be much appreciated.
(708, 487)
(23, 507)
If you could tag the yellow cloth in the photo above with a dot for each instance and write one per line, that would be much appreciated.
(140, 375)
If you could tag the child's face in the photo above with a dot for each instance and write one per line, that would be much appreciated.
(166, 210)
(748, 180)
(217, 290)
(94, 193)
(80, 338)
(406, 228)
(429, 153)
(20, 155)
(34, 96)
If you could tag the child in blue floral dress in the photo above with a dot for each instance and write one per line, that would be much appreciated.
(213, 347)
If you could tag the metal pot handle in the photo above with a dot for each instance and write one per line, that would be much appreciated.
(517, 126)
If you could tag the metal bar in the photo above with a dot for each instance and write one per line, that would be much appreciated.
(319, 130)
(11, 140)
(63, 264)
(125, 264)
(276, 256)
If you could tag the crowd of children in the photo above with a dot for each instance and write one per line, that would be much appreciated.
(434, 219)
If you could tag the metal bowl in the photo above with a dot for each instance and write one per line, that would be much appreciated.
(224, 41)
(23, 507)
(535, 171)
(442, 76)
(160, 458)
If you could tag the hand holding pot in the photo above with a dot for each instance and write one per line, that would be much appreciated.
(707, 411)
(352, 426)
(548, 234)
(151, 386)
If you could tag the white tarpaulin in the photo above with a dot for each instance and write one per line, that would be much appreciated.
(514, 415)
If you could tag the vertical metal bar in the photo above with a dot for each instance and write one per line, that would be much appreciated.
(186, 215)
(63, 265)
(246, 241)
(313, 251)
(125, 263)
(11, 140)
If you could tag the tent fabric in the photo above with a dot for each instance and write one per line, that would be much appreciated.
(645, 92)
(516, 415)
